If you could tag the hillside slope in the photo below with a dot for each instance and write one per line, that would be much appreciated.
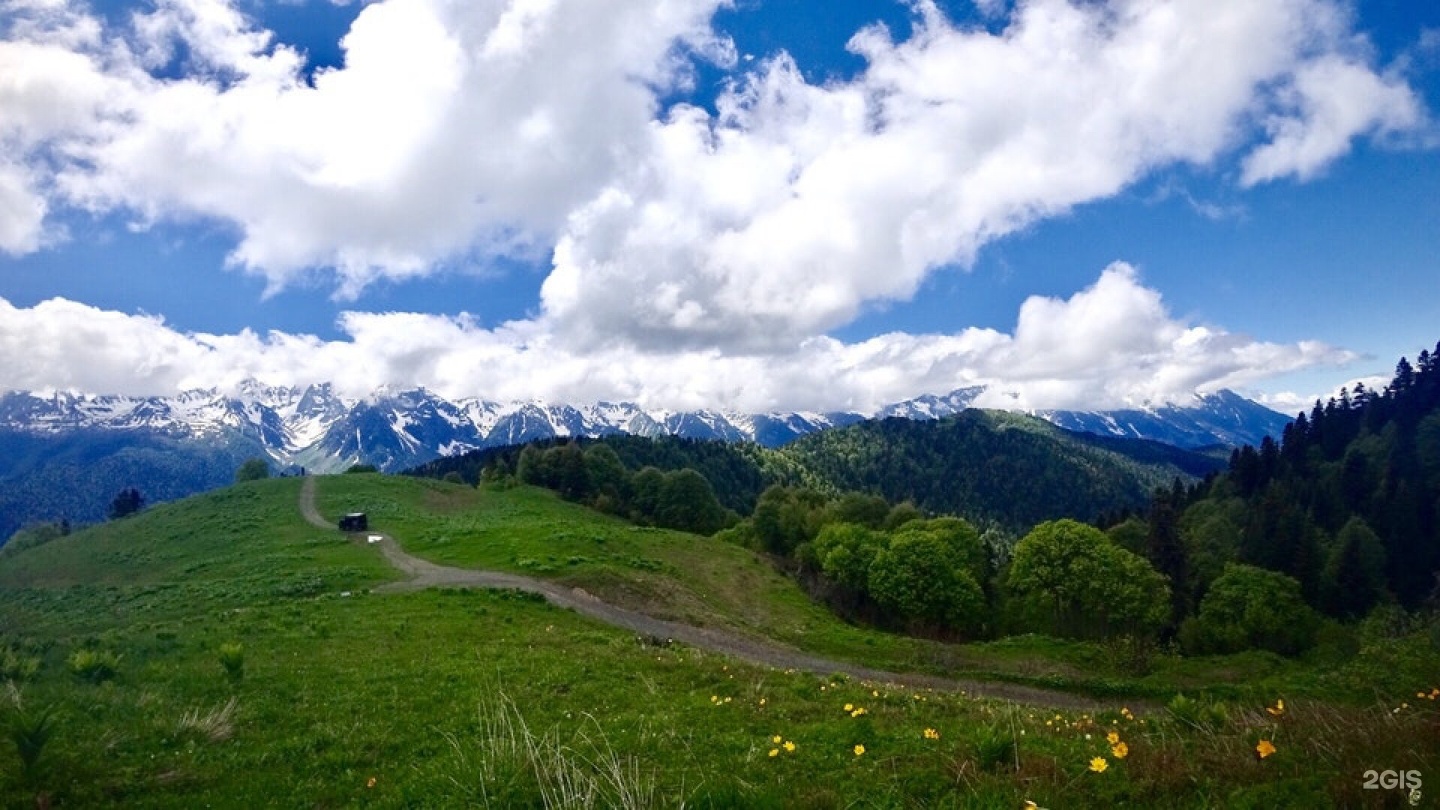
(74, 476)
(220, 651)
(989, 466)
(995, 466)
(172, 446)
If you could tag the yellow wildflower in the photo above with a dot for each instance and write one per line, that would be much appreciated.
(859, 710)
(1099, 764)
(932, 734)
(849, 706)
(370, 783)
(774, 752)
(775, 739)
(859, 750)
(1264, 748)
(1276, 710)
(1120, 750)
(789, 747)
(1113, 737)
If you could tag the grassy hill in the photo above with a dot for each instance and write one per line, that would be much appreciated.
(335, 695)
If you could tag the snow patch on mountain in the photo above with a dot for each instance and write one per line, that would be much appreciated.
(315, 428)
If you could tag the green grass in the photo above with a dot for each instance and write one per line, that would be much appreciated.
(469, 698)
(667, 574)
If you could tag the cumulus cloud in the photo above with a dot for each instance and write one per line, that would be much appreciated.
(698, 255)
(1110, 345)
(1333, 100)
(452, 127)
(793, 206)
(460, 128)
(22, 211)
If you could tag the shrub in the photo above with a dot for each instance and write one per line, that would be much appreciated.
(17, 667)
(922, 581)
(1199, 715)
(996, 748)
(1251, 608)
(232, 659)
(30, 731)
(95, 666)
(254, 469)
(1088, 585)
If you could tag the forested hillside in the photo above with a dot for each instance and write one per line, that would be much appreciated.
(73, 477)
(1345, 505)
(994, 466)
(738, 472)
(989, 466)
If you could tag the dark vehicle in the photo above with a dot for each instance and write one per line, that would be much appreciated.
(354, 522)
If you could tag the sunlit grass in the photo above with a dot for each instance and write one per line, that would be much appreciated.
(455, 698)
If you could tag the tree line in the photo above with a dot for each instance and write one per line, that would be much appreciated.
(594, 475)
(1335, 519)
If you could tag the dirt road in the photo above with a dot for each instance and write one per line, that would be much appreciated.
(425, 574)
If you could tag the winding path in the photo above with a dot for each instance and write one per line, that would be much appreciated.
(425, 574)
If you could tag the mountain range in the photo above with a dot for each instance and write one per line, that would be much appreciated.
(200, 436)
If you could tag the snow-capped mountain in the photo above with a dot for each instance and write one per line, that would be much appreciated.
(1223, 418)
(931, 406)
(77, 450)
(314, 428)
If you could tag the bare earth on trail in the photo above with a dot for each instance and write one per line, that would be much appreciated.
(424, 574)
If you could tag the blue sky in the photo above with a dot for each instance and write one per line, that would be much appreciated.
(756, 205)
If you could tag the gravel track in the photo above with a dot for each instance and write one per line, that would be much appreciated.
(425, 574)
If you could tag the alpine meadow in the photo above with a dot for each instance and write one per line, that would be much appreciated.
(719, 404)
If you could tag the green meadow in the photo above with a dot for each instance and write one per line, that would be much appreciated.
(221, 652)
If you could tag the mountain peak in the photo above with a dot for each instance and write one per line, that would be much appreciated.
(396, 427)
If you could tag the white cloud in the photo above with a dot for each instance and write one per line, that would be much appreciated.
(784, 214)
(1109, 345)
(698, 259)
(1334, 100)
(22, 211)
(453, 126)
(1290, 403)
(59, 344)
(460, 128)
